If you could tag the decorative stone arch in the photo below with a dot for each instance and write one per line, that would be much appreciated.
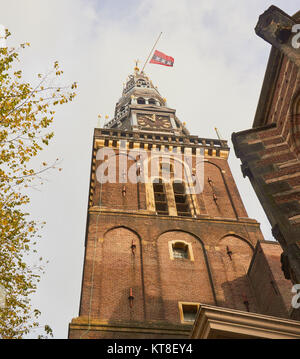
(233, 234)
(164, 157)
(232, 244)
(129, 157)
(125, 227)
(112, 156)
(133, 244)
(196, 237)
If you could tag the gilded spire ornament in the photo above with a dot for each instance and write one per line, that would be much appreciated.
(136, 68)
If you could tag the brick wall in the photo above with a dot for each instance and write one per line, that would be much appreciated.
(219, 198)
(158, 282)
(218, 225)
(272, 290)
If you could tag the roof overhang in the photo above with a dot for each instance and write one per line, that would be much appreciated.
(224, 323)
(271, 25)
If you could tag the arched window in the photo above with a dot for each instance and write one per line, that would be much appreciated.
(151, 101)
(180, 250)
(181, 200)
(160, 198)
(188, 312)
(141, 83)
(141, 101)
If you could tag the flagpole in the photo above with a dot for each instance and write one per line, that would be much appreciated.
(151, 52)
(219, 137)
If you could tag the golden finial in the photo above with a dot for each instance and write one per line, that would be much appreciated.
(136, 68)
(99, 123)
(184, 123)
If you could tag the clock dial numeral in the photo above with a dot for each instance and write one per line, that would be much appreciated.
(154, 121)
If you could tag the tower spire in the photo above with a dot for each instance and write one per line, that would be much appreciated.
(142, 108)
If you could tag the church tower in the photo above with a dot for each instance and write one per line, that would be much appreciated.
(166, 227)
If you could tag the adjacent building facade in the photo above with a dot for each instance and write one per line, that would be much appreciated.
(270, 150)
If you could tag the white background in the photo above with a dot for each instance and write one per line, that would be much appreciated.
(215, 82)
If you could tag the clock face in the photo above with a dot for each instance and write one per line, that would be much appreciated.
(154, 122)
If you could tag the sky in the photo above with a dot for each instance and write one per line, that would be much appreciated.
(215, 82)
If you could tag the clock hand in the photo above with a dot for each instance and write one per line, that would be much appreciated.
(151, 118)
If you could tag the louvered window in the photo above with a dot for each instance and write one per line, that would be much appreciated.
(181, 200)
(161, 204)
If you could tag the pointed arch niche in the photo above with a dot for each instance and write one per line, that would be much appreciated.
(121, 275)
(120, 192)
(230, 260)
(184, 279)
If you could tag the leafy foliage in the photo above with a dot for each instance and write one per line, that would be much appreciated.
(26, 112)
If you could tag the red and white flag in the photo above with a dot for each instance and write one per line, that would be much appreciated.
(162, 59)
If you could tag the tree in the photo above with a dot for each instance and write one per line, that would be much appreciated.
(26, 112)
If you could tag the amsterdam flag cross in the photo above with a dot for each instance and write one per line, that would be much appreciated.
(162, 59)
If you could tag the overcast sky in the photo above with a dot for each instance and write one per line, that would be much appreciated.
(215, 82)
